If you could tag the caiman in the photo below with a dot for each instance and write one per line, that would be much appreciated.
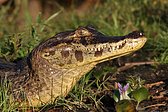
(55, 65)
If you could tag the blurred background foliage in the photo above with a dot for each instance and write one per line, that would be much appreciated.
(25, 23)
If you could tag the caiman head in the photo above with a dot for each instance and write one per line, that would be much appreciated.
(85, 45)
(59, 62)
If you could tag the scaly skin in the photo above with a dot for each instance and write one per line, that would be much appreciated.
(55, 65)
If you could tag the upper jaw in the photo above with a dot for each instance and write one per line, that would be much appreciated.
(113, 46)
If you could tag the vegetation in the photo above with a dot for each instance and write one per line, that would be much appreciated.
(110, 17)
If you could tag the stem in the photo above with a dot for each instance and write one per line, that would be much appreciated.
(137, 105)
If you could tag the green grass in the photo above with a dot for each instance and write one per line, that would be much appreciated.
(6, 102)
(111, 18)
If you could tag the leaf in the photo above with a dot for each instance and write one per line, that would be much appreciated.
(140, 94)
(116, 95)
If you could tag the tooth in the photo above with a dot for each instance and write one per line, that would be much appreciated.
(96, 49)
(113, 48)
(91, 49)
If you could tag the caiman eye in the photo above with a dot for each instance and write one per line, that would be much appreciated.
(82, 32)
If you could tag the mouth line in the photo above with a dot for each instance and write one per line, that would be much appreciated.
(112, 57)
(117, 46)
